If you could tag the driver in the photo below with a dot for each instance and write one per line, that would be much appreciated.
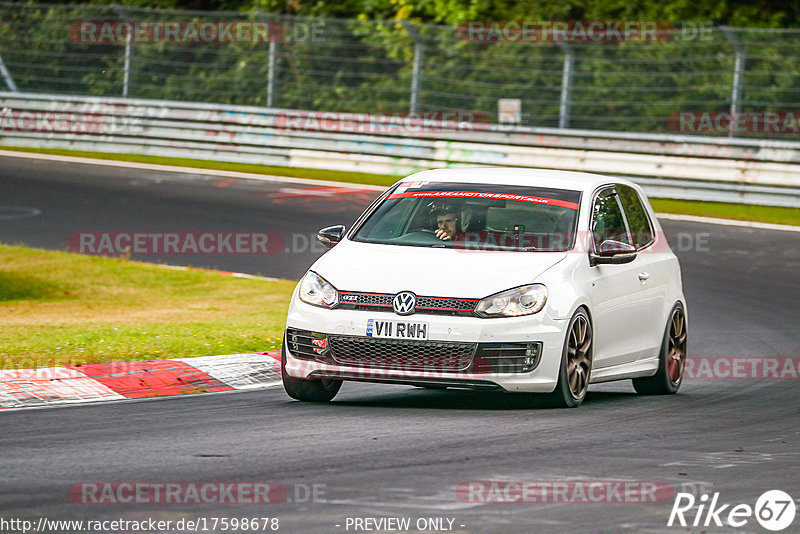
(449, 225)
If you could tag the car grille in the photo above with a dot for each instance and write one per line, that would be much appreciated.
(401, 355)
(442, 356)
(425, 305)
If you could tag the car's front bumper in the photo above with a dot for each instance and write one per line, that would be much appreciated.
(538, 328)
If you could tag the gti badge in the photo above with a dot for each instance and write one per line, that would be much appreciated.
(405, 303)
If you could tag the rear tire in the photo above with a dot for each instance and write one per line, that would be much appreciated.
(576, 364)
(313, 390)
(671, 360)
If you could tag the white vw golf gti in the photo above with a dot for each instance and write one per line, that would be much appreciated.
(516, 280)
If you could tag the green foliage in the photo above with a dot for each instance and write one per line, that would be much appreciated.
(759, 13)
(364, 63)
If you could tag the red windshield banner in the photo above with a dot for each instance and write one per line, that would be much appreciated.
(493, 196)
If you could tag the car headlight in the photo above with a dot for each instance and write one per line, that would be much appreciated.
(317, 291)
(523, 300)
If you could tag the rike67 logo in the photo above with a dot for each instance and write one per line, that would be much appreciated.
(774, 510)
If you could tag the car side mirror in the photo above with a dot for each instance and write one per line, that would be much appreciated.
(611, 252)
(331, 235)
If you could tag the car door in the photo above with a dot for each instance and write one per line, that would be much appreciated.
(653, 268)
(620, 306)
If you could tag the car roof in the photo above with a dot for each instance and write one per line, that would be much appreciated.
(576, 181)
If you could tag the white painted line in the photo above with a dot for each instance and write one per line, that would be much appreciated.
(254, 277)
(729, 222)
(8, 213)
(189, 170)
(202, 270)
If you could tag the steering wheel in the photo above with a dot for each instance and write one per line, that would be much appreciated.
(422, 236)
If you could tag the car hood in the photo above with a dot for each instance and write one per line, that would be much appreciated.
(439, 272)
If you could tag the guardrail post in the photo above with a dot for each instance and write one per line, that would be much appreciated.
(738, 73)
(566, 84)
(7, 77)
(416, 72)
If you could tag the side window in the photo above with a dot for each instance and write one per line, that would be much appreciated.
(608, 222)
(638, 222)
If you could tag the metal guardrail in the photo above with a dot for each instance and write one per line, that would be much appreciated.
(698, 168)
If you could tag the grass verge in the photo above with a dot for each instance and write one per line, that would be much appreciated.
(721, 210)
(725, 210)
(59, 308)
(291, 172)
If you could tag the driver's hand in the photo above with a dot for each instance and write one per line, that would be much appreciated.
(441, 234)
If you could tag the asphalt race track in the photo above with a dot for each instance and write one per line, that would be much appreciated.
(89, 198)
(394, 451)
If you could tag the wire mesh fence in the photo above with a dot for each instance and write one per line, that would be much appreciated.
(687, 80)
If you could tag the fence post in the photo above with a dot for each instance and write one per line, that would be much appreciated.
(738, 72)
(126, 73)
(566, 84)
(126, 78)
(416, 72)
(272, 64)
(273, 50)
(7, 77)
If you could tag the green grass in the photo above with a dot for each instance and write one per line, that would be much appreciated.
(722, 210)
(58, 308)
(292, 172)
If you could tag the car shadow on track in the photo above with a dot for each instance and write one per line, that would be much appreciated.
(472, 400)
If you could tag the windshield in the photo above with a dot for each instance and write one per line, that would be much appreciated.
(474, 216)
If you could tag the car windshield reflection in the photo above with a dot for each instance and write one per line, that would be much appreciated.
(474, 216)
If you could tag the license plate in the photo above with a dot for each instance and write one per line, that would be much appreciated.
(385, 329)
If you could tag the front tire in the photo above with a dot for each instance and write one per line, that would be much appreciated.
(313, 390)
(671, 361)
(576, 363)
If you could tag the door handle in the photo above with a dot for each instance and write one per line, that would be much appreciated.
(643, 276)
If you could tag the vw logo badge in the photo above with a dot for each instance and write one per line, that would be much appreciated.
(405, 303)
